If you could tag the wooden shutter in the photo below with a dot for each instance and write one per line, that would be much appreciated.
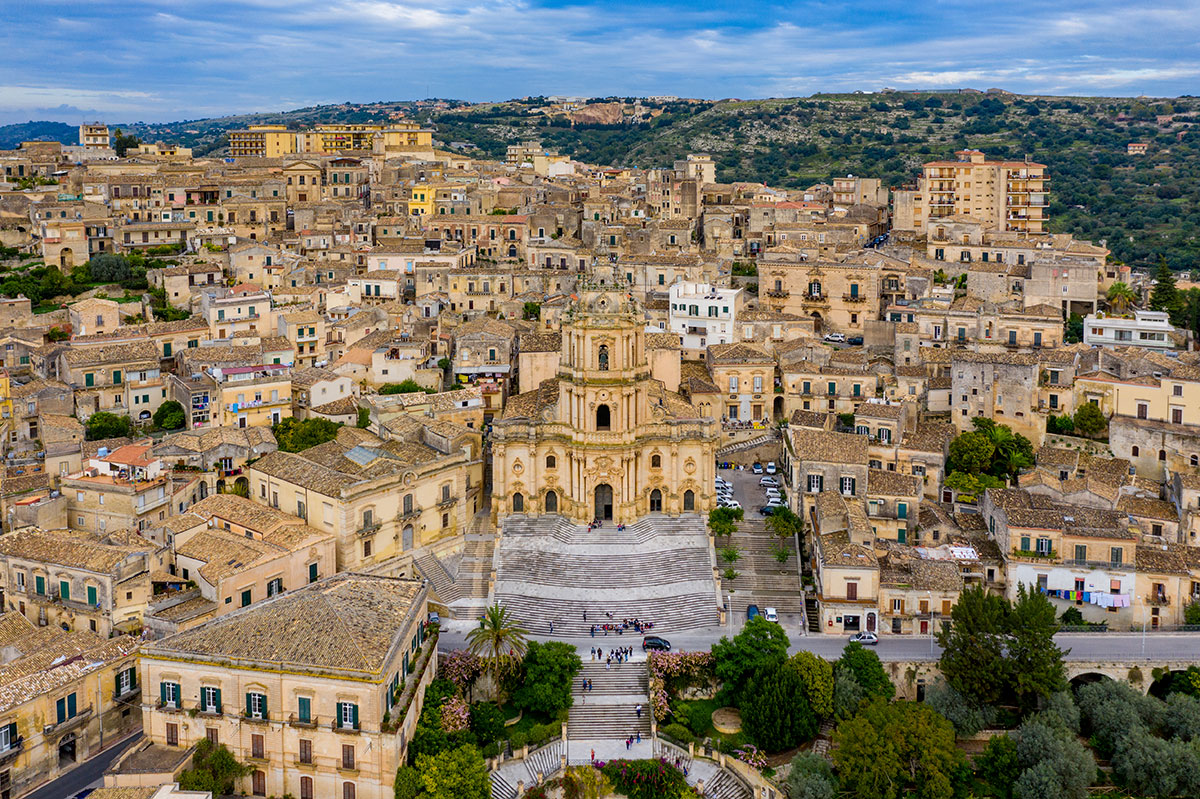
(218, 700)
(354, 715)
(162, 692)
(249, 707)
(60, 710)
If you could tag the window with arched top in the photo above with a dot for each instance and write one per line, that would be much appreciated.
(518, 503)
(1162, 454)
(689, 500)
(1134, 451)
(603, 418)
(1195, 460)
(603, 357)
(656, 461)
(656, 501)
(551, 462)
(551, 502)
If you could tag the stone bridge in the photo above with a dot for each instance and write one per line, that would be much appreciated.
(910, 677)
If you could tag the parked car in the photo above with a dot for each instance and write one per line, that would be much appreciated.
(771, 467)
(776, 502)
(768, 509)
(722, 482)
(767, 481)
(855, 341)
(434, 618)
(866, 639)
(770, 615)
(654, 642)
(757, 468)
(836, 338)
(729, 503)
(751, 612)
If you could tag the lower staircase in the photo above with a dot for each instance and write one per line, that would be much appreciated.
(609, 711)
(501, 789)
(810, 612)
(545, 761)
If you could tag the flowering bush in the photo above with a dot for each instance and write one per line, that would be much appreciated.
(682, 668)
(461, 667)
(456, 716)
(750, 755)
(658, 699)
(646, 779)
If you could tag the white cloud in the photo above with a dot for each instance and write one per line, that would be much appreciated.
(28, 97)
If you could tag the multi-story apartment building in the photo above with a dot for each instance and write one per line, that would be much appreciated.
(103, 377)
(1004, 195)
(241, 313)
(66, 695)
(1150, 329)
(703, 314)
(1002, 387)
(276, 141)
(318, 690)
(840, 297)
(745, 374)
(94, 136)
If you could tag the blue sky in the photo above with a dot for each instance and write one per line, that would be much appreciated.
(179, 59)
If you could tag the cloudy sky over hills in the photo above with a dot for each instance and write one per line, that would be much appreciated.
(177, 59)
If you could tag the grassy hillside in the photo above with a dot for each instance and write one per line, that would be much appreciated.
(1143, 207)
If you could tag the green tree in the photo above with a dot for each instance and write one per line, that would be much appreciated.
(1121, 296)
(56, 333)
(775, 714)
(408, 386)
(891, 750)
(407, 784)
(487, 722)
(973, 646)
(811, 777)
(214, 769)
(549, 670)
(760, 644)
(1035, 663)
(124, 142)
(1089, 419)
(816, 675)
(109, 268)
(1011, 451)
(998, 766)
(531, 310)
(454, 774)
(498, 640)
(848, 695)
(970, 487)
(864, 666)
(1073, 329)
(967, 715)
(294, 435)
(971, 452)
(364, 418)
(107, 425)
(1055, 765)
(169, 416)
(1165, 296)
(784, 523)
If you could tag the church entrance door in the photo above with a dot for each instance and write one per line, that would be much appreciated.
(604, 501)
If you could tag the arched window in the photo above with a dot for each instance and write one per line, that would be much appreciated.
(656, 501)
(408, 503)
(518, 503)
(551, 502)
(1134, 452)
(306, 788)
(348, 790)
(1162, 454)
(1195, 460)
(603, 358)
(689, 500)
(603, 418)
(656, 461)
(551, 462)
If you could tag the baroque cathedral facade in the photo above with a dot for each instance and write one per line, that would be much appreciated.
(603, 439)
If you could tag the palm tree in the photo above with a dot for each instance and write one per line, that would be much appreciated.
(497, 639)
(1120, 296)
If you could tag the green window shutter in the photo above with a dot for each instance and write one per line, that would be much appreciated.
(249, 707)
(1024, 543)
(39, 585)
(902, 510)
(89, 379)
(64, 589)
(91, 595)
(116, 377)
(901, 535)
(354, 715)
(12, 732)
(304, 711)
(60, 710)
(166, 349)
(266, 713)
(246, 597)
(117, 683)
(71, 706)
(162, 692)
(312, 572)
(218, 700)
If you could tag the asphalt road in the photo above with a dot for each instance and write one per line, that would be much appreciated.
(89, 774)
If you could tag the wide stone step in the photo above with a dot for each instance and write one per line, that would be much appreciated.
(544, 761)
(501, 789)
(608, 721)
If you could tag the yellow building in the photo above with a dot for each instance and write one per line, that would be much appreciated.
(420, 200)
(318, 690)
(63, 695)
(604, 439)
(6, 404)
(262, 141)
(1003, 195)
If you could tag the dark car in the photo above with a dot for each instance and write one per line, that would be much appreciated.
(855, 341)
(654, 642)
(751, 612)
(767, 510)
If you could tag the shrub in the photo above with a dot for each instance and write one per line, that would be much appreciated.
(645, 779)
(775, 714)
(967, 716)
(1181, 718)
(811, 777)
(103, 425)
(847, 695)
(678, 732)
(518, 739)
(170, 416)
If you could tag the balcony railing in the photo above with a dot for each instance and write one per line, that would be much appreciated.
(443, 502)
(1033, 554)
(369, 529)
(309, 723)
(778, 293)
(78, 720)
(15, 748)
(1158, 599)
(406, 515)
(1097, 564)
(854, 298)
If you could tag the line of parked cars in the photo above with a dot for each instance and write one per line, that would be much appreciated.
(725, 494)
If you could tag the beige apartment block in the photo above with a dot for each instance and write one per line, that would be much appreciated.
(1003, 195)
(318, 689)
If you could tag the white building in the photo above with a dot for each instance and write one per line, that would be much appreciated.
(1150, 329)
(703, 315)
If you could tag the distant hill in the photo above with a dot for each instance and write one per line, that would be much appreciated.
(12, 135)
(1143, 207)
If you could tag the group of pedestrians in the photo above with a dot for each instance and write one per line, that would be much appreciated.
(619, 655)
(620, 627)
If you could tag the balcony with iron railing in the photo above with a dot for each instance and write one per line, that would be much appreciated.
(78, 720)
(368, 528)
(854, 298)
(1158, 599)
(310, 723)
(778, 293)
